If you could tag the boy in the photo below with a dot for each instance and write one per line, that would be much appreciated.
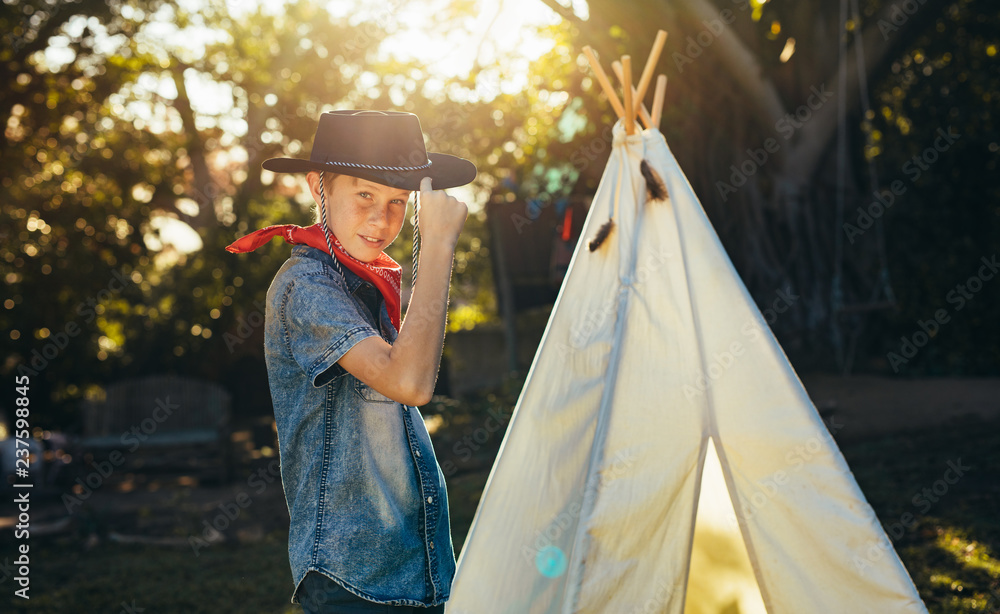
(366, 498)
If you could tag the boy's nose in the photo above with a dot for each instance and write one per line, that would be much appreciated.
(379, 217)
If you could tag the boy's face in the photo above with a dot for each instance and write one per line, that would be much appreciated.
(365, 216)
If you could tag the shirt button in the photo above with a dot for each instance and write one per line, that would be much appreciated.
(418, 453)
(430, 499)
(432, 545)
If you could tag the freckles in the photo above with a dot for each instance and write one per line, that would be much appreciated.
(358, 215)
(397, 217)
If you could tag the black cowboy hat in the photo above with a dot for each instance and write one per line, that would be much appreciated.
(386, 147)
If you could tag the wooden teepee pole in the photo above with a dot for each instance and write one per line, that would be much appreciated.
(627, 87)
(661, 90)
(647, 72)
(602, 78)
(641, 108)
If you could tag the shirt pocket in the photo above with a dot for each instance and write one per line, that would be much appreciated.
(369, 394)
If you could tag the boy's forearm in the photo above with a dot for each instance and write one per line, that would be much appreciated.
(416, 353)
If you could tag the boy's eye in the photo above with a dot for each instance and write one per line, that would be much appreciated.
(368, 196)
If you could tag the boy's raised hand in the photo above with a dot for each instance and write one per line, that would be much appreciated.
(441, 216)
(407, 370)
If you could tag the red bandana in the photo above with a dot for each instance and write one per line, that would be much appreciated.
(384, 272)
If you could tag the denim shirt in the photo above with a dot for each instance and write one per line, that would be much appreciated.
(366, 497)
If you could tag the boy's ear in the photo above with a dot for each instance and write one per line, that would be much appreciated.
(312, 178)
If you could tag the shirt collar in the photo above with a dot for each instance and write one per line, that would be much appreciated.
(350, 277)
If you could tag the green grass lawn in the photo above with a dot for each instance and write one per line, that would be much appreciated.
(115, 578)
(951, 545)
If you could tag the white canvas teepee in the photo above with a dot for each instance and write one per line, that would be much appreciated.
(654, 350)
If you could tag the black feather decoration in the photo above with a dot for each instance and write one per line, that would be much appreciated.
(654, 185)
(602, 234)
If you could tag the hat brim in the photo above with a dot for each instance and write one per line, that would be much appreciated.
(445, 171)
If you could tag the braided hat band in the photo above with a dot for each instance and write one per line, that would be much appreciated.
(377, 167)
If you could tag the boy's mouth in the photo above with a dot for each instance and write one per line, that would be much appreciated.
(371, 240)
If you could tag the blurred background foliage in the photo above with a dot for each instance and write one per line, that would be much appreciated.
(135, 132)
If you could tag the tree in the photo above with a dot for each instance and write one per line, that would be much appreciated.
(107, 145)
(745, 75)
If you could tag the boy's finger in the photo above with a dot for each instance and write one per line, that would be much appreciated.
(425, 184)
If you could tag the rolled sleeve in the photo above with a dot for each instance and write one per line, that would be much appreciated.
(322, 322)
